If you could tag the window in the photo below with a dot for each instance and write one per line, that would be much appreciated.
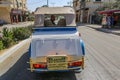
(54, 20)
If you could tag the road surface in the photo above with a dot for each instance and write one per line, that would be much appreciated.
(102, 60)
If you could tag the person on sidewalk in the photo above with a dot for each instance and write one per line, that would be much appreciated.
(112, 21)
(109, 21)
(104, 21)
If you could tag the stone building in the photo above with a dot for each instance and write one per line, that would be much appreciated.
(90, 7)
(12, 10)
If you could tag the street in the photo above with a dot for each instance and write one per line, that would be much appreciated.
(102, 60)
(102, 55)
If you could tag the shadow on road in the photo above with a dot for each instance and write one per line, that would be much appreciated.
(56, 76)
(19, 72)
(15, 71)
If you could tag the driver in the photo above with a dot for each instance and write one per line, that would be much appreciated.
(53, 19)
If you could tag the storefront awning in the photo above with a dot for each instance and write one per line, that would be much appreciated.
(108, 11)
(117, 12)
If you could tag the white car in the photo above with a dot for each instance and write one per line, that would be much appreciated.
(56, 47)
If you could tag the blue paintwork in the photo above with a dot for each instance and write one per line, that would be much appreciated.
(29, 53)
(83, 48)
(46, 70)
(54, 29)
(58, 29)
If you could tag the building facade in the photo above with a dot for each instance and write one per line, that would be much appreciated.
(89, 8)
(76, 6)
(12, 10)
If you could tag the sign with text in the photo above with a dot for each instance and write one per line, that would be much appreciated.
(57, 62)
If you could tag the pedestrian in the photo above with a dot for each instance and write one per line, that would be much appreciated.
(53, 19)
(108, 19)
(112, 21)
(104, 22)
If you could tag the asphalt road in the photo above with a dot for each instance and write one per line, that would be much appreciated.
(102, 60)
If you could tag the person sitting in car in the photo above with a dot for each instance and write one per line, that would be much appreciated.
(50, 22)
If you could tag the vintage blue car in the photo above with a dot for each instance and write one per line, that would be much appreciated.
(56, 45)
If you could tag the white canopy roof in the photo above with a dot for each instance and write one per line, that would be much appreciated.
(54, 10)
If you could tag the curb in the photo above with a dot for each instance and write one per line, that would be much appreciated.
(6, 54)
(9, 58)
(104, 30)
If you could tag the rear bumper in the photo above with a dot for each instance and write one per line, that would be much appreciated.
(69, 68)
(46, 70)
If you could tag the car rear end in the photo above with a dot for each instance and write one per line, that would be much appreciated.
(63, 51)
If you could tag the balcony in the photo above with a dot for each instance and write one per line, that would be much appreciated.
(5, 3)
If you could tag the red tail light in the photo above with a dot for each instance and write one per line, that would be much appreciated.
(78, 63)
(36, 66)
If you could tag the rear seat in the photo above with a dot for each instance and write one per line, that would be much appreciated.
(61, 22)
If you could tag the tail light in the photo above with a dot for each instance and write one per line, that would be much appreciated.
(77, 63)
(36, 66)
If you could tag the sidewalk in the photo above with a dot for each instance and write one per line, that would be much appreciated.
(12, 55)
(99, 28)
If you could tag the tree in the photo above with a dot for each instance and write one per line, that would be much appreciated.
(109, 5)
(116, 4)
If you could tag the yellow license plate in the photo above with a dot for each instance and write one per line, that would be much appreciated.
(57, 63)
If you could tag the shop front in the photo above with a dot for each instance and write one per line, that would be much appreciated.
(17, 15)
(112, 17)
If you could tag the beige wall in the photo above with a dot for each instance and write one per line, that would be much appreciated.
(92, 5)
(4, 14)
(21, 4)
(5, 9)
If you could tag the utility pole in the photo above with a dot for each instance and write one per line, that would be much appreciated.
(47, 3)
(69, 3)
